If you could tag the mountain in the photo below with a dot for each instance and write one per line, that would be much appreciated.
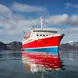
(70, 46)
(14, 45)
(11, 46)
(2, 46)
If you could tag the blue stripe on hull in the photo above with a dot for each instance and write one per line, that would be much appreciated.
(53, 50)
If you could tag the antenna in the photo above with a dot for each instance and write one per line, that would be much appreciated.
(33, 27)
(41, 21)
(24, 32)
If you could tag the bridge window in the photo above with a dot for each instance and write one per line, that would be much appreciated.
(45, 31)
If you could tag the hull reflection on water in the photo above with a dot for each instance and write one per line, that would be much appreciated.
(40, 61)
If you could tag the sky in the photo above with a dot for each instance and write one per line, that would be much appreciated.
(17, 16)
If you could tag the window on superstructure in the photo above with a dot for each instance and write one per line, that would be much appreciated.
(45, 31)
(43, 35)
(37, 35)
(40, 35)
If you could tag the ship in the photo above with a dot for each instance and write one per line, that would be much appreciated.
(41, 48)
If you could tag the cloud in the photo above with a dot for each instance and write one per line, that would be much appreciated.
(13, 24)
(4, 9)
(64, 19)
(19, 7)
(71, 34)
(71, 5)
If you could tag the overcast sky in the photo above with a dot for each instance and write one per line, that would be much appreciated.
(17, 16)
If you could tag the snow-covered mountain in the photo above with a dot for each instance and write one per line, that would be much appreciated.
(71, 45)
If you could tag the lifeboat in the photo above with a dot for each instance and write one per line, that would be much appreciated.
(28, 35)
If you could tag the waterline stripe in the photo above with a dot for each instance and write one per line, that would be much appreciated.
(52, 50)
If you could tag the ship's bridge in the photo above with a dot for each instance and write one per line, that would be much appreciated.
(49, 30)
(45, 32)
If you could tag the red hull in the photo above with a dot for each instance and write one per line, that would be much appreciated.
(46, 42)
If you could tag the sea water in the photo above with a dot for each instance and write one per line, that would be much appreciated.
(11, 66)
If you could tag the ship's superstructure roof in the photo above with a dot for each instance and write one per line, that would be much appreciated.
(45, 30)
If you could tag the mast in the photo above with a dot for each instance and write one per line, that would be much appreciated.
(41, 21)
